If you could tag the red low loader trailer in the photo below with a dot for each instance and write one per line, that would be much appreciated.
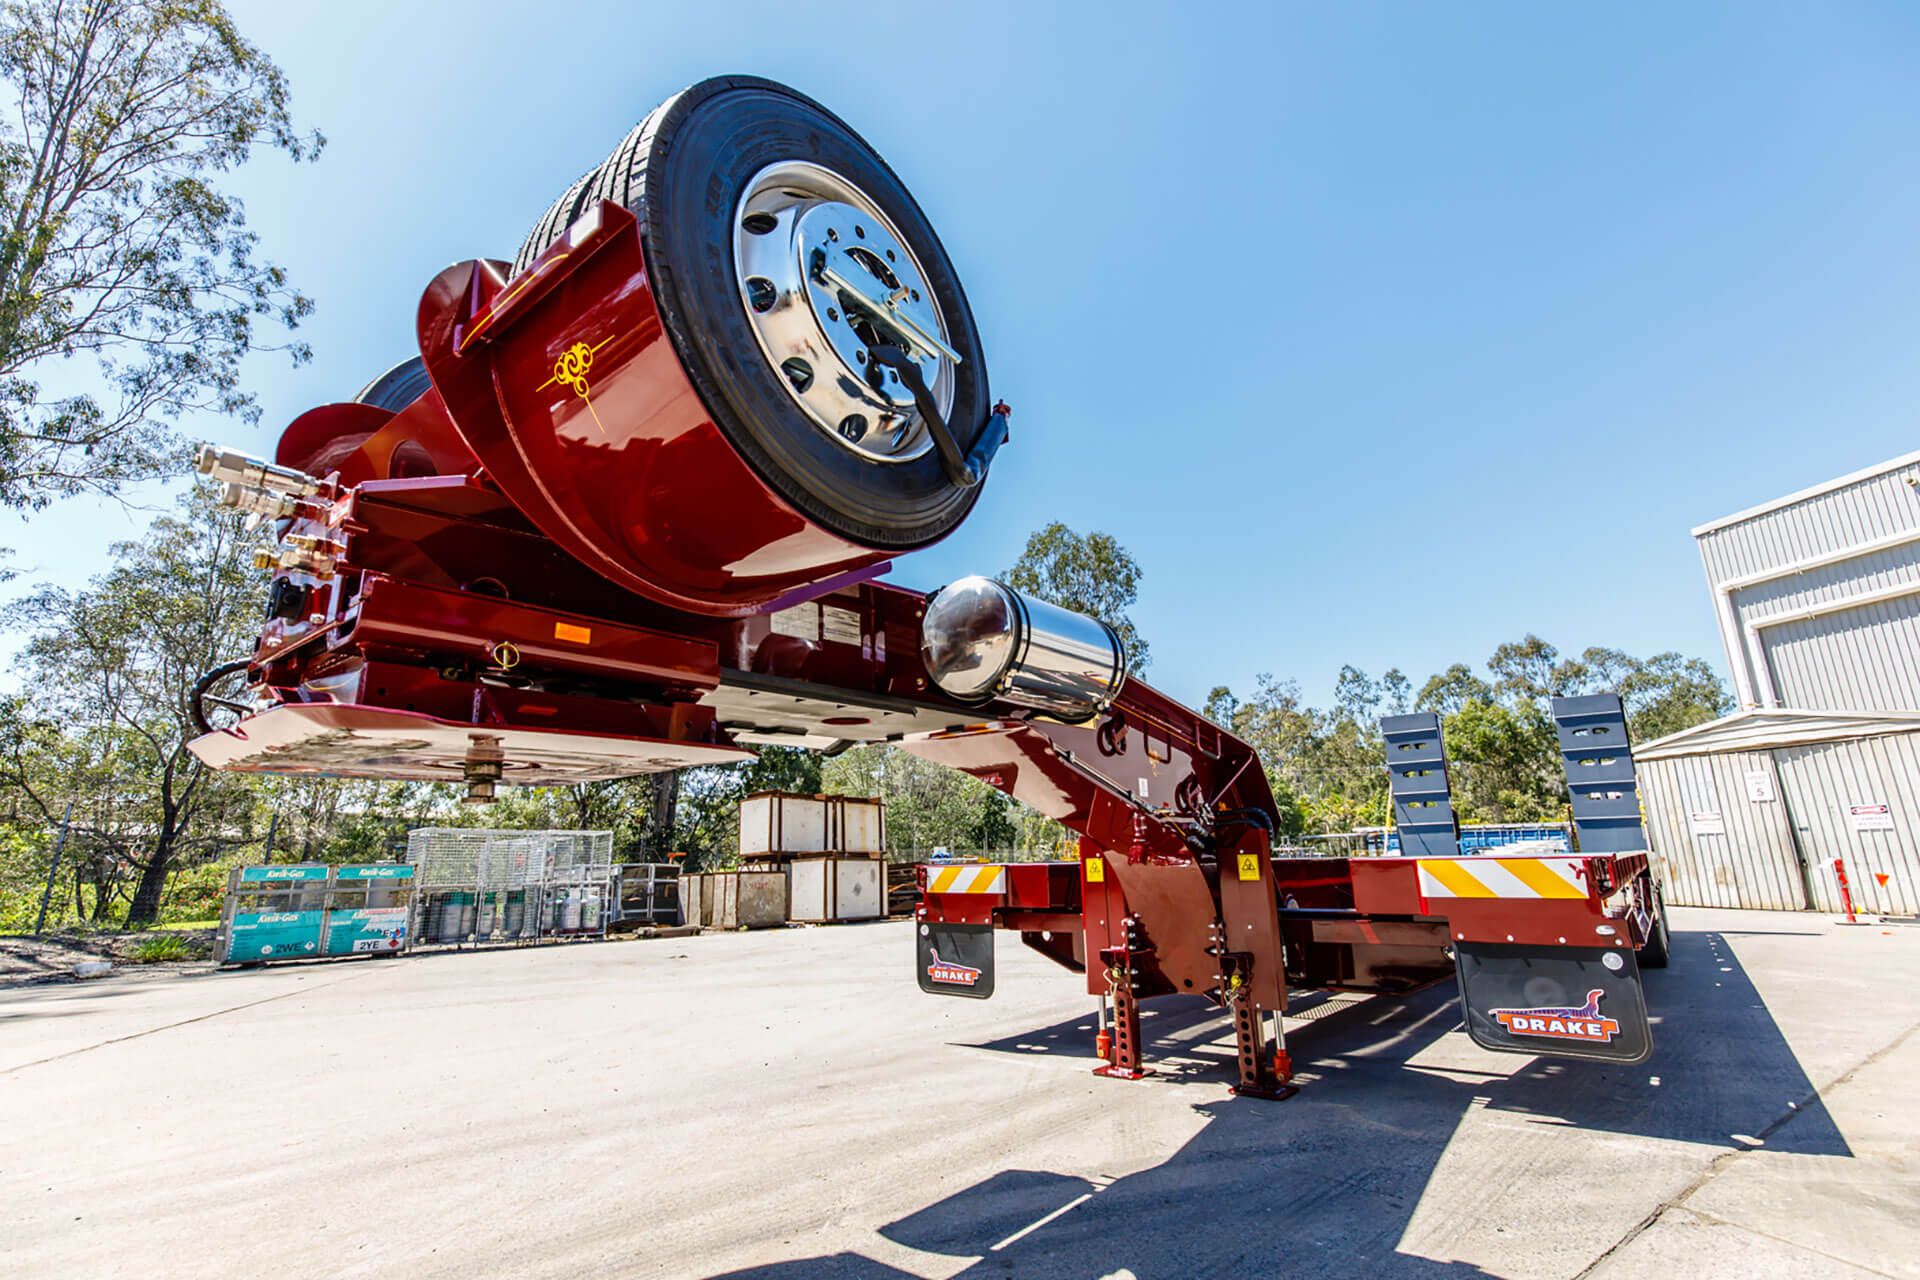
(1545, 948)
(626, 510)
(1188, 897)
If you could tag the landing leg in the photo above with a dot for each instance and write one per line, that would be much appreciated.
(1260, 1076)
(1123, 1051)
(1252, 964)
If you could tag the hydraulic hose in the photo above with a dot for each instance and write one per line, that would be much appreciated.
(196, 699)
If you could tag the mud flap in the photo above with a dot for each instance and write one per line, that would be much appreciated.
(955, 959)
(1566, 1001)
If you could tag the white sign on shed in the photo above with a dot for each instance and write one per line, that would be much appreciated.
(1871, 817)
(1707, 822)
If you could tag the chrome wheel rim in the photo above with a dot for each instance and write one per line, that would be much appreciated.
(824, 275)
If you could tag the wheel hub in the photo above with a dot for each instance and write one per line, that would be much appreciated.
(824, 276)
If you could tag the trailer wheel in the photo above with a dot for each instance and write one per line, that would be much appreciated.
(398, 387)
(559, 215)
(1659, 949)
(781, 250)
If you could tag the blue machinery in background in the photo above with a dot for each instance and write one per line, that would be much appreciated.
(1594, 751)
(1480, 837)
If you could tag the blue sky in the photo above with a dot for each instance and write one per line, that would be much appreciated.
(1379, 335)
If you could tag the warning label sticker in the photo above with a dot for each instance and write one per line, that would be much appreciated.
(1249, 866)
(842, 626)
(1870, 817)
(802, 622)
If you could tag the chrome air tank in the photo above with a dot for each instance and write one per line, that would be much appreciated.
(983, 641)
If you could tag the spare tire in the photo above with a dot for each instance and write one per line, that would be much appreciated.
(746, 191)
(558, 217)
(398, 387)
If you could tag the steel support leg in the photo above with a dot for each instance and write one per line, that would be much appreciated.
(1123, 1052)
(1125, 1061)
(1262, 1075)
(1253, 964)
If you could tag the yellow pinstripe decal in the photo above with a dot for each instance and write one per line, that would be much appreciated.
(1538, 877)
(1457, 879)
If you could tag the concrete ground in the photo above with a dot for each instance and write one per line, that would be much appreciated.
(787, 1105)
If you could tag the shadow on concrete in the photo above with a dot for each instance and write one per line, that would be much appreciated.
(1326, 1183)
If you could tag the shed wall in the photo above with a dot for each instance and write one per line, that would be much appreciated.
(1752, 865)
(1814, 789)
(1825, 781)
(1861, 659)
(1796, 630)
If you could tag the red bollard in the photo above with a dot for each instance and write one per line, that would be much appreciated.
(1846, 897)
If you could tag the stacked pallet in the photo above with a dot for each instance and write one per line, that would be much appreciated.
(903, 889)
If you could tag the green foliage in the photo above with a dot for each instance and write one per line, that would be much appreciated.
(992, 826)
(930, 806)
(1452, 689)
(165, 948)
(24, 852)
(1090, 573)
(103, 722)
(1327, 768)
(1500, 738)
(1505, 763)
(707, 829)
(117, 244)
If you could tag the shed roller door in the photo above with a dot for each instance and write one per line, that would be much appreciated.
(1826, 783)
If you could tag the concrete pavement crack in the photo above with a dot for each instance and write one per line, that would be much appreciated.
(1793, 1244)
(184, 1022)
(1721, 1162)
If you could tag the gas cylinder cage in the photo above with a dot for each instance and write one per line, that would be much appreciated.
(490, 886)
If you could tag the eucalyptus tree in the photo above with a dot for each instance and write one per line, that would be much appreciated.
(1088, 572)
(114, 665)
(130, 285)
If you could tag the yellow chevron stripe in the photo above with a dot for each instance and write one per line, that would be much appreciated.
(1540, 878)
(1456, 878)
(967, 879)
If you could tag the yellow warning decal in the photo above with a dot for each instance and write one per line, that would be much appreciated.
(1249, 866)
(967, 879)
(1096, 869)
(1491, 876)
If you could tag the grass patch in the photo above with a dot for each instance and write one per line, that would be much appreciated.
(163, 949)
(187, 926)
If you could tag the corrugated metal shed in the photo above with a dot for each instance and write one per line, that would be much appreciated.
(1818, 593)
(1752, 810)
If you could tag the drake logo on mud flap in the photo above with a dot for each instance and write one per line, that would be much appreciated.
(1585, 1024)
(959, 975)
